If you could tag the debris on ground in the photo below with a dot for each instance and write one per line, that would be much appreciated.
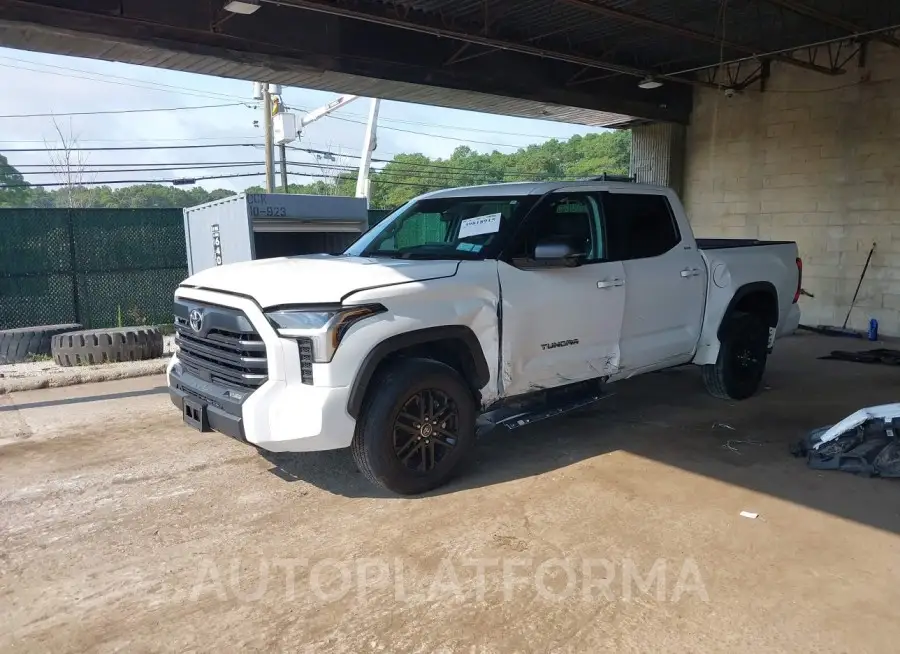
(865, 443)
(825, 330)
(749, 514)
(730, 445)
(884, 356)
(723, 425)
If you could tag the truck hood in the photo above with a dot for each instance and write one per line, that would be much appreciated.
(315, 279)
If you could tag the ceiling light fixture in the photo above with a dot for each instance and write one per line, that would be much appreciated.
(245, 7)
(650, 83)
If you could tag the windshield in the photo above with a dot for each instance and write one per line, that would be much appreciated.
(443, 228)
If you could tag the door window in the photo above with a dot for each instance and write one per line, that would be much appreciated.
(572, 218)
(639, 226)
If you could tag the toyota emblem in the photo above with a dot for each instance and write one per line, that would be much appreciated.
(196, 320)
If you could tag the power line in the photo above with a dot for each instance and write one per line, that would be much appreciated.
(436, 136)
(397, 166)
(425, 176)
(128, 147)
(438, 125)
(180, 164)
(159, 86)
(123, 111)
(134, 181)
(398, 163)
(460, 128)
(193, 180)
(111, 79)
(255, 137)
(144, 169)
(210, 145)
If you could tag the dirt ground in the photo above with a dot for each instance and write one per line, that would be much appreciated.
(614, 529)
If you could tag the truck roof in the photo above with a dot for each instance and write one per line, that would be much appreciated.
(533, 188)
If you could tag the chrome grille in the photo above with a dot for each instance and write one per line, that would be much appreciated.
(231, 357)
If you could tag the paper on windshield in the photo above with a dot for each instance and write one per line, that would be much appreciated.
(487, 224)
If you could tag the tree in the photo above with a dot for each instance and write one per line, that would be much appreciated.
(408, 175)
(14, 190)
(402, 178)
(68, 162)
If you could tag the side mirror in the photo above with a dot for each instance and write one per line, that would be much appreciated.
(557, 253)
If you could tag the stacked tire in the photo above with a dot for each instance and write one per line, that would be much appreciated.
(94, 346)
(20, 345)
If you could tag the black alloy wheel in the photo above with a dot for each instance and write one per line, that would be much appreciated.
(426, 429)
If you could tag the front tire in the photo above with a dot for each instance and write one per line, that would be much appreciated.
(738, 371)
(416, 428)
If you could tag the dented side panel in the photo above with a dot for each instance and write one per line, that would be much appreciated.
(559, 325)
(470, 298)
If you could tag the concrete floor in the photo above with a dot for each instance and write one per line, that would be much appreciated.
(617, 528)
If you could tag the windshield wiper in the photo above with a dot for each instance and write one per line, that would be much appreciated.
(424, 256)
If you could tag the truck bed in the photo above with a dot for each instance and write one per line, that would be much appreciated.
(723, 243)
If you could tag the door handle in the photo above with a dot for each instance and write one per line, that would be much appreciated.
(611, 283)
(690, 272)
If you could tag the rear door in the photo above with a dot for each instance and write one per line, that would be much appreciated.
(666, 275)
(561, 325)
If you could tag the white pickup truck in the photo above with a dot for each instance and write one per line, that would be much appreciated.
(498, 304)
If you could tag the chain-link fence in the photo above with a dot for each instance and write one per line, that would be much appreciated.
(98, 267)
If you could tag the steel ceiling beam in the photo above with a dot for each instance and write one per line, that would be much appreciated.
(457, 59)
(330, 8)
(702, 37)
(829, 19)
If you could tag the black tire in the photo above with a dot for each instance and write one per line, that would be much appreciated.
(382, 430)
(738, 371)
(94, 346)
(18, 345)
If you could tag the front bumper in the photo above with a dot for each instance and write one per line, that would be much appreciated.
(283, 414)
(223, 414)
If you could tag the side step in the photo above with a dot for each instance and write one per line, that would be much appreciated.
(542, 407)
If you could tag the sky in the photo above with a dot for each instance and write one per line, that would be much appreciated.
(37, 83)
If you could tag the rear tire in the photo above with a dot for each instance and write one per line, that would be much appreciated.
(416, 428)
(738, 371)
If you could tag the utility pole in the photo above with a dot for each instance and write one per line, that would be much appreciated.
(283, 151)
(267, 110)
(362, 181)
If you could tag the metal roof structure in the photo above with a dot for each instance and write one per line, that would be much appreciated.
(583, 61)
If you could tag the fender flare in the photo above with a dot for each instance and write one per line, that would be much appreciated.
(385, 348)
(745, 290)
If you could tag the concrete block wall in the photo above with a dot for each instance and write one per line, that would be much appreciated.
(813, 159)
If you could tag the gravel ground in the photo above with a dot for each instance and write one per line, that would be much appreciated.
(122, 530)
(45, 373)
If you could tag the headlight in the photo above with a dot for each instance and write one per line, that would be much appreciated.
(300, 318)
(325, 327)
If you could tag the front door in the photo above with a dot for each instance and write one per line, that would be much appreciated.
(560, 325)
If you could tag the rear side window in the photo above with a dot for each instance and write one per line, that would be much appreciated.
(639, 226)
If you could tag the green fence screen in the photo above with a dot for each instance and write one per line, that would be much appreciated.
(97, 267)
